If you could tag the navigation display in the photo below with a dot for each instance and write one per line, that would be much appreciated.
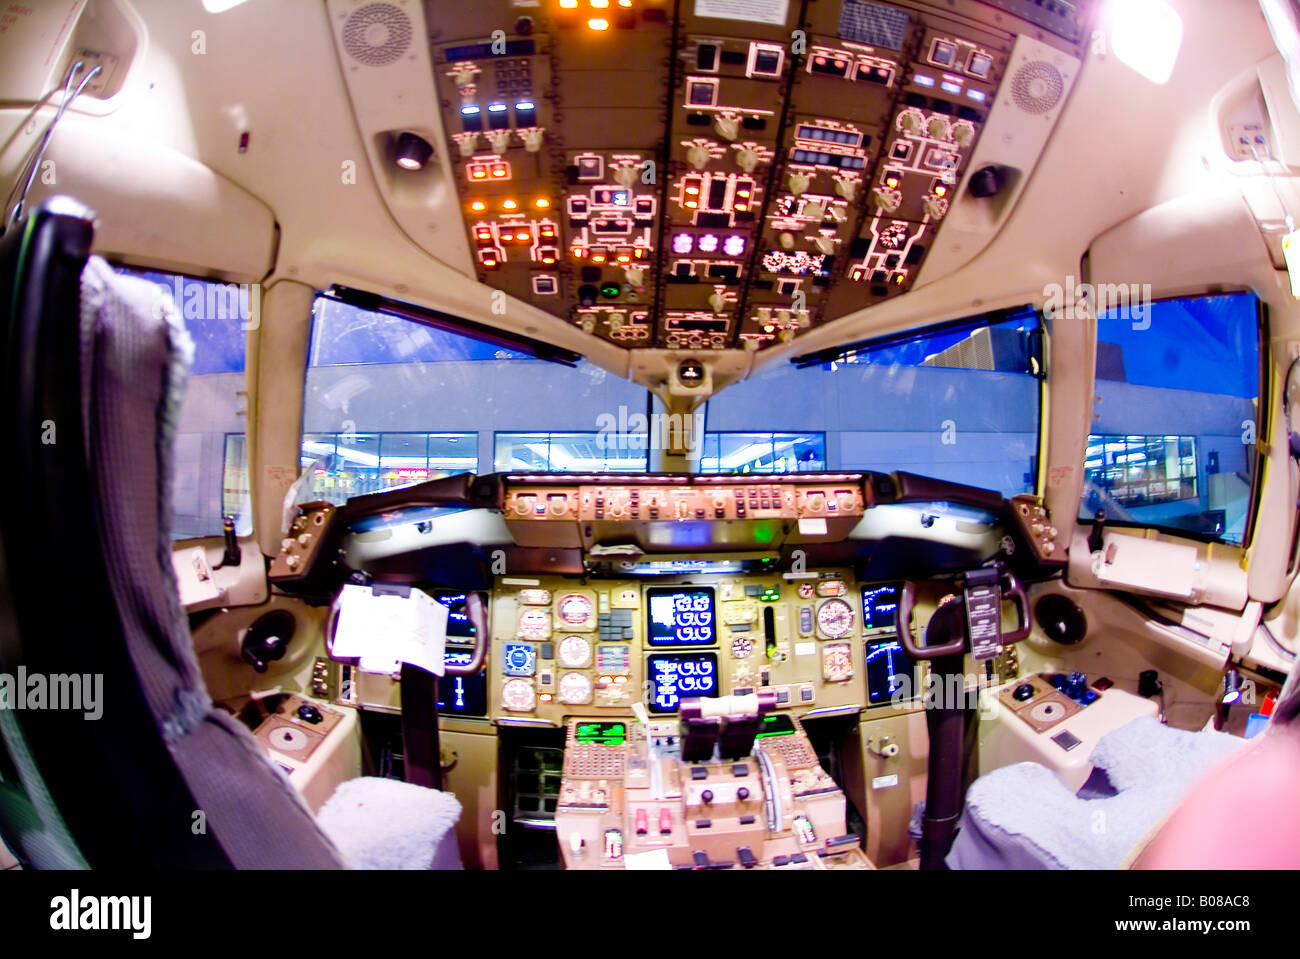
(677, 676)
(891, 673)
(462, 695)
(680, 616)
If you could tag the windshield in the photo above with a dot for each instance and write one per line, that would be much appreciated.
(959, 403)
(392, 401)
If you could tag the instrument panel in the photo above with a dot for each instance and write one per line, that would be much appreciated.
(561, 648)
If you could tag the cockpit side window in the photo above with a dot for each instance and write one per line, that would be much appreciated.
(391, 401)
(210, 467)
(1173, 441)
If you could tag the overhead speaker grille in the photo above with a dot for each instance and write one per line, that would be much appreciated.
(1060, 619)
(1037, 87)
(377, 34)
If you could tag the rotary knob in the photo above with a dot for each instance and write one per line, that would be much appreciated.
(310, 714)
(1022, 692)
(787, 241)
(938, 128)
(847, 189)
(698, 156)
(500, 140)
(468, 145)
(706, 797)
(825, 243)
(533, 139)
(634, 274)
(728, 127)
(625, 176)
(718, 301)
(747, 159)
(814, 209)
(963, 133)
(910, 121)
(935, 207)
(799, 182)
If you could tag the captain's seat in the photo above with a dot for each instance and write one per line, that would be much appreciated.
(92, 384)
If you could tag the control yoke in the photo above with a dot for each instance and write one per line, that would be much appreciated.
(971, 623)
(983, 592)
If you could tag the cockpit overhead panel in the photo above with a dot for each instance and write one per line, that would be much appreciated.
(703, 175)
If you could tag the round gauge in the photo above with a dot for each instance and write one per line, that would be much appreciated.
(835, 618)
(534, 623)
(575, 688)
(518, 696)
(575, 609)
(741, 647)
(575, 652)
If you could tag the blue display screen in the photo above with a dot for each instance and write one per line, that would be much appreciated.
(462, 695)
(890, 673)
(519, 659)
(680, 616)
(880, 607)
(678, 676)
(458, 625)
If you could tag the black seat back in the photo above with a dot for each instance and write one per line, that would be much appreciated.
(162, 779)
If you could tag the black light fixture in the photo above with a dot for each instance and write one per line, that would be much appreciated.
(1231, 687)
(411, 152)
(690, 373)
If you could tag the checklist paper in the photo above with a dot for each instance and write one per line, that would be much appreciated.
(384, 630)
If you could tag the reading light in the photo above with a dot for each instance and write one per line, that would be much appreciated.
(1231, 687)
(412, 152)
(1146, 35)
(598, 23)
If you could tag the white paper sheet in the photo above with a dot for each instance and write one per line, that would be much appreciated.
(388, 629)
(194, 582)
(653, 860)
